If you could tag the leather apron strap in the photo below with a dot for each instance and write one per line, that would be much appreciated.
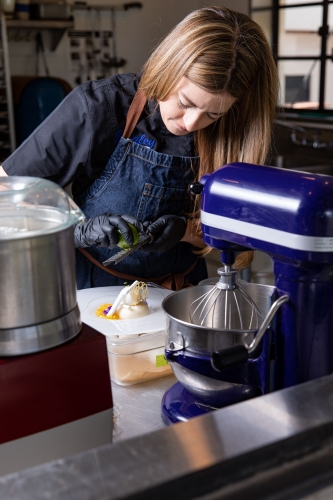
(171, 281)
(134, 113)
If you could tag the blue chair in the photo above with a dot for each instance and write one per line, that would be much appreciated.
(38, 99)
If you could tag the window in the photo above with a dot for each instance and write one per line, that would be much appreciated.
(301, 36)
(297, 89)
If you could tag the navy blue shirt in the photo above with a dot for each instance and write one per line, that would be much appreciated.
(76, 140)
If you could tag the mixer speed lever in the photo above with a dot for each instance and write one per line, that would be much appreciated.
(235, 355)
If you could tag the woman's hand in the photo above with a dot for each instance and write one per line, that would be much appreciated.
(167, 231)
(102, 231)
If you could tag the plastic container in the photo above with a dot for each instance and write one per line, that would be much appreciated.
(133, 360)
(8, 8)
(49, 9)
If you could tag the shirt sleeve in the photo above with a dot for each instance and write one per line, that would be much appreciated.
(59, 148)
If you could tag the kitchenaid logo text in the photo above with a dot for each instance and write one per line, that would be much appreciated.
(149, 143)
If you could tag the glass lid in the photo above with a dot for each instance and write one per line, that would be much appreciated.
(30, 206)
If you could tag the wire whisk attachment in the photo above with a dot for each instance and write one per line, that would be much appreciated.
(226, 306)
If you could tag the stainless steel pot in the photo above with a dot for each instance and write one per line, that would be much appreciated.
(37, 261)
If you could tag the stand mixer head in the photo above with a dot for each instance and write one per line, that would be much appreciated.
(289, 215)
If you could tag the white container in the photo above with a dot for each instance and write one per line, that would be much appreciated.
(133, 360)
(8, 7)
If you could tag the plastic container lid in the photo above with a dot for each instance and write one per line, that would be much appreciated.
(132, 345)
(30, 206)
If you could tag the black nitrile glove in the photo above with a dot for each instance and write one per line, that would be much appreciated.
(167, 231)
(102, 230)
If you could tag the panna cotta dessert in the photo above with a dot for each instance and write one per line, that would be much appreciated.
(135, 311)
(131, 303)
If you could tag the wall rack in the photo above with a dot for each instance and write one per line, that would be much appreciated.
(56, 28)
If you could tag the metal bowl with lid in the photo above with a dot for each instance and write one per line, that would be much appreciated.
(37, 261)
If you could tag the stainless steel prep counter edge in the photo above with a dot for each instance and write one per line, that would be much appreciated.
(191, 459)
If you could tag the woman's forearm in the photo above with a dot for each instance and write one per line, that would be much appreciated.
(2, 172)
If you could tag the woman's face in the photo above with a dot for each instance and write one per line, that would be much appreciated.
(189, 108)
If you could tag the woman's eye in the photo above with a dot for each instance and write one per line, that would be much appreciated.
(182, 105)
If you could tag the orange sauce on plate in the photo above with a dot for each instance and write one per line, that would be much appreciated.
(101, 312)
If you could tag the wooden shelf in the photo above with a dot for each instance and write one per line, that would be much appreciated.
(57, 27)
(39, 24)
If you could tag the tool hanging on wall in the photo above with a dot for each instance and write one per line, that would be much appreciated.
(77, 61)
(40, 51)
(86, 54)
(93, 51)
(115, 61)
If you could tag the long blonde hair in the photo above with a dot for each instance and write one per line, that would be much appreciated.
(220, 50)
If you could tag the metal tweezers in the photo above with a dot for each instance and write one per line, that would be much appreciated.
(144, 238)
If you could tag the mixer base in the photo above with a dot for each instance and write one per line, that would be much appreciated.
(179, 405)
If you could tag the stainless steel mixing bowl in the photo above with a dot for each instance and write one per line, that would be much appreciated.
(190, 339)
(204, 340)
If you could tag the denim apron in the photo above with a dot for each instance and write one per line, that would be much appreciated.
(142, 182)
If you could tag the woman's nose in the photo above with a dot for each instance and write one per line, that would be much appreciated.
(192, 120)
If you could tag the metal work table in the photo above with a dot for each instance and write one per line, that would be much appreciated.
(137, 408)
(278, 446)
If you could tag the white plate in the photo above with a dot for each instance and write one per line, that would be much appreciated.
(90, 299)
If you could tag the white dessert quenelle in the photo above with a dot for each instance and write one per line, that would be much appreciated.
(131, 302)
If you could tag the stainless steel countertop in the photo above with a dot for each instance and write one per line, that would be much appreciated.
(277, 446)
(137, 408)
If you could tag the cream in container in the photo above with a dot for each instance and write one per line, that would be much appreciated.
(137, 359)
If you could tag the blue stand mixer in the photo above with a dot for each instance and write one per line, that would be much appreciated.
(235, 340)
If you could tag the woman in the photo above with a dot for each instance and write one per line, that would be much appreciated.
(206, 97)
